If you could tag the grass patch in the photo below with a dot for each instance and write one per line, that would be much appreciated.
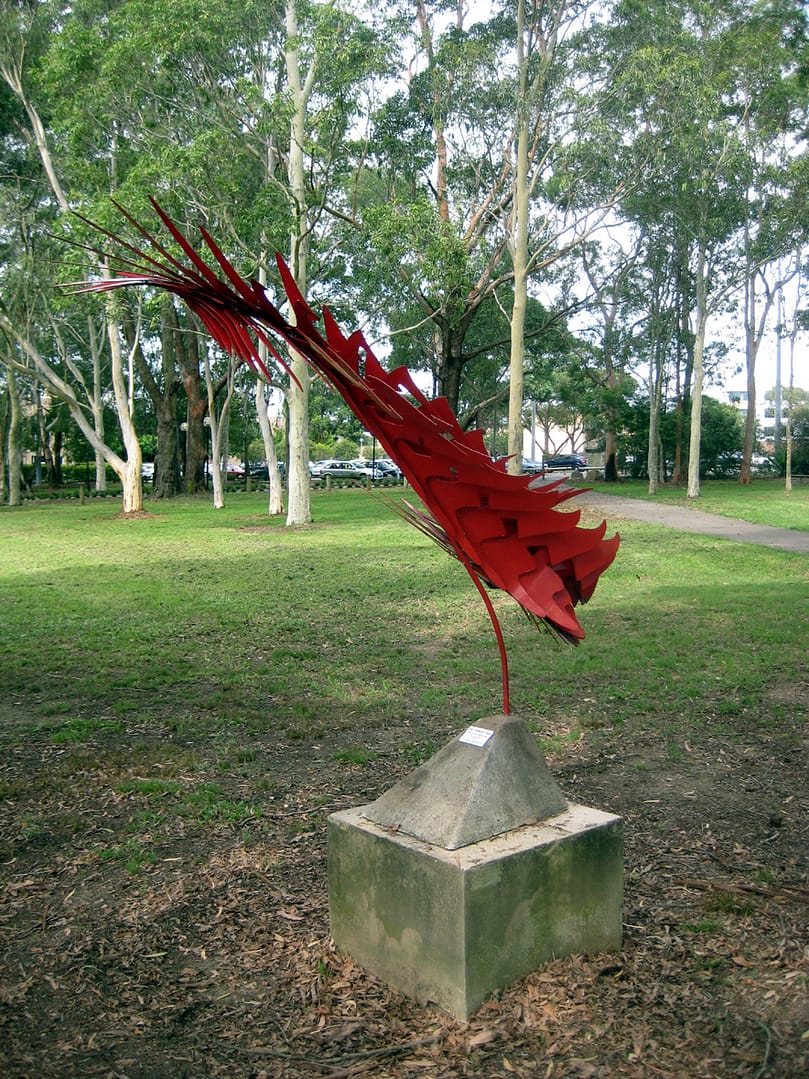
(152, 787)
(357, 755)
(82, 730)
(727, 903)
(203, 627)
(708, 925)
(132, 854)
(208, 802)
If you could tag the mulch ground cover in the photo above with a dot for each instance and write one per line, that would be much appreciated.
(163, 912)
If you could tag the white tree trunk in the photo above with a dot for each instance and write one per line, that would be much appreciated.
(275, 505)
(519, 260)
(97, 406)
(276, 501)
(11, 73)
(653, 450)
(298, 487)
(298, 490)
(517, 355)
(219, 432)
(695, 441)
(128, 471)
(701, 319)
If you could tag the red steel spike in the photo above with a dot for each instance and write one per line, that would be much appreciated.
(506, 530)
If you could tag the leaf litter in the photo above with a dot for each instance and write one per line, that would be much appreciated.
(140, 942)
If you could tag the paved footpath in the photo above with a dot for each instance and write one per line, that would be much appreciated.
(687, 520)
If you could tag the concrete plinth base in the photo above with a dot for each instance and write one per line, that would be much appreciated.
(451, 926)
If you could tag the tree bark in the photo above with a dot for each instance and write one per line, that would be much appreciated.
(275, 506)
(519, 257)
(4, 418)
(653, 450)
(14, 442)
(298, 491)
(97, 405)
(187, 352)
(275, 503)
(695, 439)
(163, 396)
(129, 470)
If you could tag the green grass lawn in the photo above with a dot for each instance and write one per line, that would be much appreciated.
(211, 620)
(763, 502)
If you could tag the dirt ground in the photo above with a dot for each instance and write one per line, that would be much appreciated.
(141, 939)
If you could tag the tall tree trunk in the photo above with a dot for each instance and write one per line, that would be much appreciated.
(519, 259)
(97, 405)
(187, 347)
(655, 395)
(219, 426)
(129, 472)
(610, 433)
(298, 489)
(695, 440)
(163, 396)
(684, 366)
(4, 418)
(451, 360)
(275, 505)
(44, 442)
(216, 470)
(14, 442)
(56, 458)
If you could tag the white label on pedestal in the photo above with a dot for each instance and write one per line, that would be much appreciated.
(476, 736)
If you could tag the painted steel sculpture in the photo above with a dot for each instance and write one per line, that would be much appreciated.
(506, 530)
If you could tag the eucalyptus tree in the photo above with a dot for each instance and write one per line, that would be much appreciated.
(613, 323)
(771, 53)
(26, 29)
(795, 321)
(684, 80)
(545, 221)
(35, 347)
(435, 207)
(237, 118)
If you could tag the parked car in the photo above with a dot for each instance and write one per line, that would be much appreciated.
(388, 469)
(531, 467)
(316, 467)
(235, 472)
(380, 472)
(566, 462)
(262, 471)
(763, 466)
(147, 470)
(346, 470)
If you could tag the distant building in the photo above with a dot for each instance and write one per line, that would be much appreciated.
(765, 414)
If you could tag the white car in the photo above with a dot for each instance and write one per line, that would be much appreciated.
(346, 470)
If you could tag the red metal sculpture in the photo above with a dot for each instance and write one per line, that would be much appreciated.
(504, 529)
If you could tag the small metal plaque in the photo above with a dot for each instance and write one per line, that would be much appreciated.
(476, 736)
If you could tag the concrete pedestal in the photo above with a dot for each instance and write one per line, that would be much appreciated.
(451, 926)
